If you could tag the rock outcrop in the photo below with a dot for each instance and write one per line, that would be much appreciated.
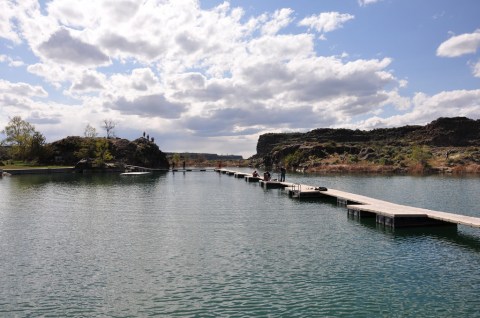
(385, 146)
(455, 132)
(139, 152)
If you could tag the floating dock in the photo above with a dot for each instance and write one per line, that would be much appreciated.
(273, 184)
(251, 178)
(386, 213)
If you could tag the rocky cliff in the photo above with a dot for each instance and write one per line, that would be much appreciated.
(444, 137)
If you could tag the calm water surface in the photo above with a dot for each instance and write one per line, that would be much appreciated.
(203, 244)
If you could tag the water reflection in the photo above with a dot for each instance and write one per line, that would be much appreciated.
(204, 244)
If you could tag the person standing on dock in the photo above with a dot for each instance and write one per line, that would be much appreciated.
(184, 165)
(282, 174)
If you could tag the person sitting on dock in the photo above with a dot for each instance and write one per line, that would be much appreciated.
(266, 176)
(255, 174)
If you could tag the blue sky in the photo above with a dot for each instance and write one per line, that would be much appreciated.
(211, 76)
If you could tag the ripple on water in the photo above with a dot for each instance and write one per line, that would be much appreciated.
(212, 245)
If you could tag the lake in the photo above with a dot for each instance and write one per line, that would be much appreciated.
(204, 244)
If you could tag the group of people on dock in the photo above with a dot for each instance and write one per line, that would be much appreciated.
(267, 176)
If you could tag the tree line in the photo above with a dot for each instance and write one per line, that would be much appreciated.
(24, 143)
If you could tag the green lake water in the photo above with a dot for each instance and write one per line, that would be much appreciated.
(203, 244)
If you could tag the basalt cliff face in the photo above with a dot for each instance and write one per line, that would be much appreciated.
(444, 144)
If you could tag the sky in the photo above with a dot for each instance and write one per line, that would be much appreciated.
(212, 76)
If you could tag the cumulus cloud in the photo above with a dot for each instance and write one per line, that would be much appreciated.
(89, 81)
(427, 108)
(37, 117)
(467, 43)
(175, 68)
(149, 105)
(22, 89)
(326, 21)
(142, 79)
(237, 121)
(62, 47)
(8, 29)
(53, 73)
(117, 44)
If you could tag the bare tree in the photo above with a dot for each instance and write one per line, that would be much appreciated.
(90, 132)
(109, 126)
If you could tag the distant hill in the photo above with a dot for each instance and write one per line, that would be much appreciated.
(204, 156)
(455, 140)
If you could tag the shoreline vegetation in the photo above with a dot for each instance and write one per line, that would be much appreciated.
(325, 168)
(445, 146)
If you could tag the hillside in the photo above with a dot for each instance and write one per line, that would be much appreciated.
(446, 144)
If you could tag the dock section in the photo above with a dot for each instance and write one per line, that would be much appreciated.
(251, 178)
(386, 213)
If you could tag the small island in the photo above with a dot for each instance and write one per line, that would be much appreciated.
(26, 148)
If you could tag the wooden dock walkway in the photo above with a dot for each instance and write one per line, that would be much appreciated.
(386, 213)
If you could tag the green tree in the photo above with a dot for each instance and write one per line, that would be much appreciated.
(25, 141)
(88, 148)
(421, 155)
(176, 158)
(37, 146)
(102, 152)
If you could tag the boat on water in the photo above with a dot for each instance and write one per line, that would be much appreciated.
(135, 173)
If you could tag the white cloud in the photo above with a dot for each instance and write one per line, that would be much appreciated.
(7, 27)
(88, 81)
(364, 3)
(476, 69)
(37, 117)
(148, 105)
(467, 43)
(16, 63)
(21, 89)
(428, 108)
(60, 74)
(279, 20)
(11, 62)
(326, 21)
(64, 48)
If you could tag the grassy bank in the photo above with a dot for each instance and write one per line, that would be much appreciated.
(9, 165)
